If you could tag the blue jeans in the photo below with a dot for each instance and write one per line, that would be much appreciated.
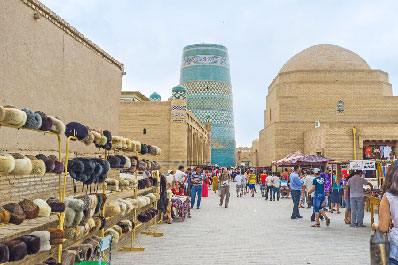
(198, 190)
(357, 206)
(296, 200)
(318, 202)
(276, 190)
(393, 261)
(269, 192)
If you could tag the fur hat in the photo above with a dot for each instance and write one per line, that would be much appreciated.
(122, 160)
(4, 253)
(33, 120)
(56, 233)
(76, 129)
(129, 144)
(17, 214)
(91, 223)
(104, 198)
(30, 209)
(68, 257)
(38, 166)
(103, 140)
(142, 165)
(128, 163)
(46, 122)
(114, 233)
(114, 161)
(56, 205)
(17, 250)
(23, 166)
(117, 142)
(44, 208)
(124, 226)
(12, 116)
(44, 239)
(143, 217)
(7, 163)
(4, 216)
(51, 261)
(112, 209)
(94, 245)
(97, 137)
(103, 222)
(32, 243)
(57, 125)
(89, 139)
(71, 233)
(76, 168)
(59, 167)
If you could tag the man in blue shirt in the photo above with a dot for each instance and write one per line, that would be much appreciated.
(296, 185)
(197, 182)
(318, 185)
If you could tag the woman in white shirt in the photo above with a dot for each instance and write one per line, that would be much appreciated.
(389, 210)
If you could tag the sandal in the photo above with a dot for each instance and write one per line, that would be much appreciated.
(327, 221)
(316, 225)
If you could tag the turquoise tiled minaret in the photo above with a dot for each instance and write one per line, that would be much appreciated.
(206, 78)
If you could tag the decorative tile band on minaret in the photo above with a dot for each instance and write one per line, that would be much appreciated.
(205, 76)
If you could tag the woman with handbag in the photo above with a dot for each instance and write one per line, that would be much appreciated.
(389, 211)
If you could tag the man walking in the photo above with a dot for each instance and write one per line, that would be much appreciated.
(252, 181)
(318, 185)
(355, 184)
(262, 184)
(197, 182)
(296, 185)
(276, 183)
(270, 187)
(224, 181)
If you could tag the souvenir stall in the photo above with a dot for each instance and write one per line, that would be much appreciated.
(68, 225)
(378, 150)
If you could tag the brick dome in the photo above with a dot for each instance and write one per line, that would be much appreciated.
(325, 57)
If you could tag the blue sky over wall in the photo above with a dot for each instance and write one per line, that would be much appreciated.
(148, 37)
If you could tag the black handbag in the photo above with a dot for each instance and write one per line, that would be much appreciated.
(379, 248)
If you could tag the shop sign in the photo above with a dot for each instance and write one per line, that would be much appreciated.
(363, 165)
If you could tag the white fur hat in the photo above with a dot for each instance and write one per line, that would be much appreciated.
(23, 165)
(7, 163)
(13, 116)
(58, 126)
(44, 239)
(44, 208)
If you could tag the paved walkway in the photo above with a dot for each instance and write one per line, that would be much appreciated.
(252, 231)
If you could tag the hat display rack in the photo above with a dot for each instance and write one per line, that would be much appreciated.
(116, 147)
(25, 119)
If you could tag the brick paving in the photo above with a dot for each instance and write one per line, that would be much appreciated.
(252, 231)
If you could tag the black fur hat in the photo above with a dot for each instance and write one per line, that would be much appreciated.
(56, 205)
(46, 122)
(122, 160)
(17, 214)
(76, 129)
(32, 243)
(17, 249)
(4, 253)
(114, 161)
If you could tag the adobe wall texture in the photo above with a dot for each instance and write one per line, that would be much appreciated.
(55, 70)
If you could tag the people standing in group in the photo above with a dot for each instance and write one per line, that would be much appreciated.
(197, 182)
(276, 185)
(252, 181)
(238, 179)
(388, 210)
(355, 184)
(224, 181)
(318, 186)
(296, 185)
(270, 187)
(263, 176)
(336, 194)
(308, 186)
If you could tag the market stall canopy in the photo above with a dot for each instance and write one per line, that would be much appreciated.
(298, 158)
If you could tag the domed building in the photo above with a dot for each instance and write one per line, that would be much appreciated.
(321, 99)
(155, 97)
(179, 92)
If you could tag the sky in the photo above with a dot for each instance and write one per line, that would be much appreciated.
(148, 38)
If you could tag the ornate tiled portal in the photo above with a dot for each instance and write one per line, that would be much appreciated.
(206, 78)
